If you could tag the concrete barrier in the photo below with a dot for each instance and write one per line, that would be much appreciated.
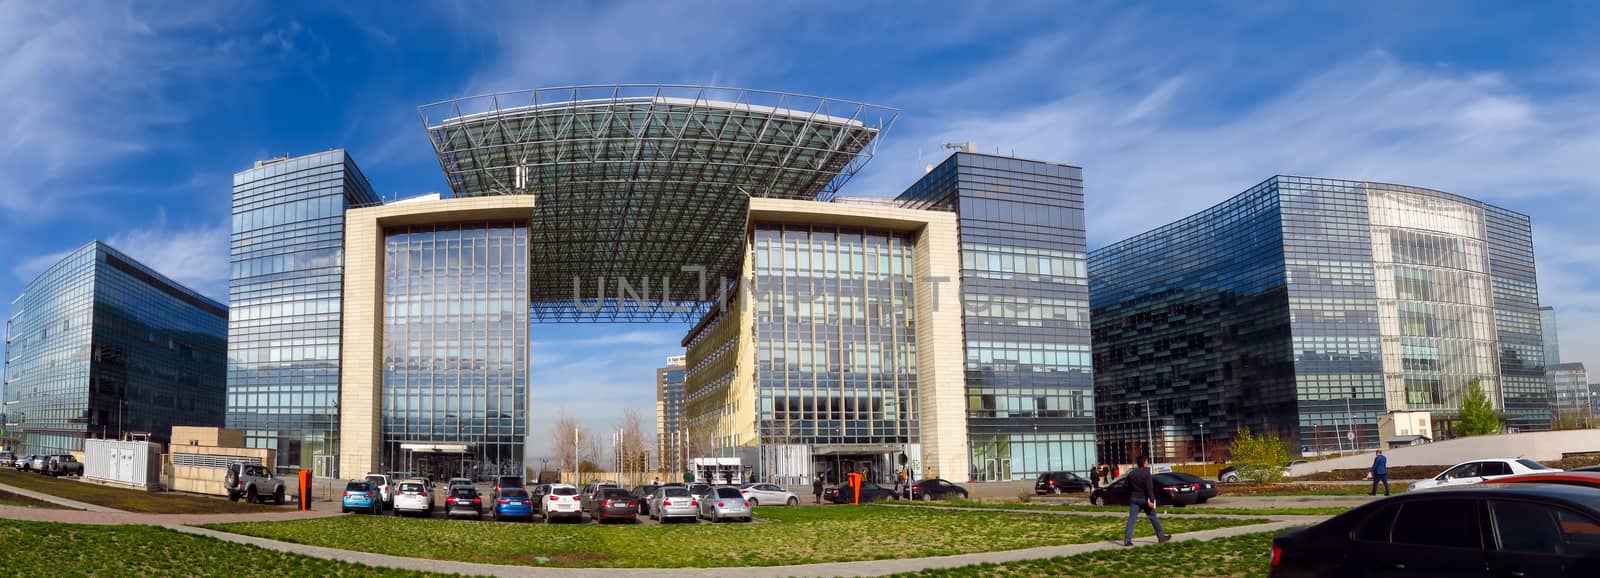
(1549, 445)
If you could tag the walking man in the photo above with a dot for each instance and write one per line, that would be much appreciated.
(816, 489)
(1143, 498)
(1380, 471)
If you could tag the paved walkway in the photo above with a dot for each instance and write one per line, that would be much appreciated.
(186, 523)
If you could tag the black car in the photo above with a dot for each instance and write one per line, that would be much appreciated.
(936, 489)
(1586, 469)
(642, 495)
(1208, 489)
(1170, 491)
(1057, 482)
(1478, 530)
(870, 492)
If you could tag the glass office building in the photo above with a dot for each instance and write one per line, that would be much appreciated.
(99, 344)
(455, 349)
(1305, 307)
(287, 252)
(1569, 396)
(669, 414)
(1030, 389)
(1552, 344)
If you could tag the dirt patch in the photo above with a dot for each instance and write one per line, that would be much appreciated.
(1395, 473)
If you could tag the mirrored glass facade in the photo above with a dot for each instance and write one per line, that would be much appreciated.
(455, 349)
(1306, 307)
(100, 344)
(1030, 388)
(285, 289)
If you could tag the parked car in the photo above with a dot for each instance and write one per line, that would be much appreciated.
(870, 492)
(1208, 489)
(413, 497)
(725, 503)
(1586, 469)
(1587, 479)
(1228, 475)
(610, 503)
(385, 487)
(1478, 530)
(1058, 482)
(698, 490)
(936, 489)
(253, 482)
(505, 482)
(361, 496)
(769, 494)
(674, 502)
(36, 464)
(21, 464)
(642, 496)
(65, 465)
(563, 501)
(463, 501)
(1477, 471)
(513, 504)
(7, 458)
(1170, 491)
(459, 482)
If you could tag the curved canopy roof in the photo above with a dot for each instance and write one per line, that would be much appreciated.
(646, 183)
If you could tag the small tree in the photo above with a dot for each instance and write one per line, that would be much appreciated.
(1259, 457)
(1477, 414)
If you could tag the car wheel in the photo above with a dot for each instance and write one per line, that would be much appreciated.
(277, 497)
(233, 497)
(1056, 491)
(1097, 501)
(792, 502)
(344, 510)
(754, 502)
(927, 497)
(1201, 500)
(250, 495)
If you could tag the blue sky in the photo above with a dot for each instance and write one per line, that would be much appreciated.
(124, 122)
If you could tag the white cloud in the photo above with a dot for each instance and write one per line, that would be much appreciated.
(194, 256)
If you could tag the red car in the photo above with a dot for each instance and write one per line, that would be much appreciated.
(1585, 479)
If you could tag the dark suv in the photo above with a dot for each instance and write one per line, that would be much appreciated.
(1058, 482)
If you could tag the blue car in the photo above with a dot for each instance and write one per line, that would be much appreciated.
(360, 496)
(514, 504)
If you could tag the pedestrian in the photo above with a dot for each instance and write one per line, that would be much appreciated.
(1380, 472)
(656, 481)
(1116, 471)
(1142, 498)
(816, 489)
(1094, 477)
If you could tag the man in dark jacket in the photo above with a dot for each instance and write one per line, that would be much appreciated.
(1143, 497)
(816, 489)
(1380, 471)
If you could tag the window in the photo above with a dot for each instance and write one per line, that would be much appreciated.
(1376, 527)
(1495, 469)
(1532, 465)
(1544, 529)
(1438, 523)
(1467, 470)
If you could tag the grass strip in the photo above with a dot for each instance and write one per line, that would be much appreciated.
(1243, 556)
(126, 499)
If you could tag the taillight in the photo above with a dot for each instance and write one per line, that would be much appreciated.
(695, 503)
(1170, 489)
(1051, 483)
(348, 493)
(477, 500)
(1277, 555)
(504, 501)
(368, 494)
(666, 502)
(747, 504)
(605, 503)
(719, 505)
(1197, 487)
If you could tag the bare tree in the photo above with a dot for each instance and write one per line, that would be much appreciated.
(564, 439)
(633, 450)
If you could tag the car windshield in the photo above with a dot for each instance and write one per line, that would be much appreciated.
(567, 491)
(676, 492)
(1532, 465)
(728, 493)
(513, 493)
(610, 493)
(357, 487)
(411, 487)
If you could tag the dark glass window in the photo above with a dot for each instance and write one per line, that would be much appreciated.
(1377, 525)
(1449, 523)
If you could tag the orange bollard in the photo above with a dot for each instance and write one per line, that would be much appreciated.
(855, 484)
(305, 490)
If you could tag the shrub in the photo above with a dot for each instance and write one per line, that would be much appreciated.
(1259, 458)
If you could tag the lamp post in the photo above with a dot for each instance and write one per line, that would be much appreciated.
(1203, 463)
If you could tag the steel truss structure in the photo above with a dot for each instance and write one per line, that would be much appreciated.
(643, 190)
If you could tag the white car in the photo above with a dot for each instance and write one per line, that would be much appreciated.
(1476, 471)
(385, 487)
(769, 495)
(563, 501)
(413, 497)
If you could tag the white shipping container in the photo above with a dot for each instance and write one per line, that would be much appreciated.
(131, 463)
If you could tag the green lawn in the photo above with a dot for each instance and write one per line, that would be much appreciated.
(128, 500)
(1164, 510)
(1245, 556)
(50, 549)
(10, 499)
(780, 536)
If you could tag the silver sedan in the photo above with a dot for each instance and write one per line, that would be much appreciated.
(673, 502)
(725, 503)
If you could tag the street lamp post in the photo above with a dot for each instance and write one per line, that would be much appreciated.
(1203, 463)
